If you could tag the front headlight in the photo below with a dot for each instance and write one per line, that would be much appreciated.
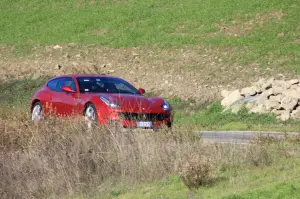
(109, 103)
(166, 105)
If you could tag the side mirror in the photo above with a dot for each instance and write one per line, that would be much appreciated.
(142, 91)
(68, 89)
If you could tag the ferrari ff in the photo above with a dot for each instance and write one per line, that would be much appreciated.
(102, 100)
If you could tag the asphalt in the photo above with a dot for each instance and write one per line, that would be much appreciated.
(240, 137)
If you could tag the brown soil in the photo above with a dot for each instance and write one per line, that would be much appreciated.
(240, 28)
(189, 73)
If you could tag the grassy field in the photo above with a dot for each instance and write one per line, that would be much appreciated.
(267, 32)
(210, 45)
(261, 183)
(174, 189)
(61, 160)
(279, 179)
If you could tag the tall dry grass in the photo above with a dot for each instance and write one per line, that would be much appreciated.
(57, 158)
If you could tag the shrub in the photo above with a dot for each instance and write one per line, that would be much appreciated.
(258, 155)
(196, 170)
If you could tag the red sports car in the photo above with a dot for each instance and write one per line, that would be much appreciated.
(101, 99)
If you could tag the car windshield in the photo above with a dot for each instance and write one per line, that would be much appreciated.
(105, 85)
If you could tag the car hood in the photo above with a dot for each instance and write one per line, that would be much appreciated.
(135, 103)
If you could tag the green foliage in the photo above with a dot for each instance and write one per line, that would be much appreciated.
(17, 93)
(212, 117)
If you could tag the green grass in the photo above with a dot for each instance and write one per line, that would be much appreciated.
(286, 190)
(17, 93)
(212, 117)
(279, 181)
(165, 23)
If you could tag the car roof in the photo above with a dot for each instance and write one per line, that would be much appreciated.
(82, 75)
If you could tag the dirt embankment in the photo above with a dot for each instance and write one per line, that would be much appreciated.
(189, 73)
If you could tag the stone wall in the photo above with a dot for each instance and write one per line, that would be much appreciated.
(280, 97)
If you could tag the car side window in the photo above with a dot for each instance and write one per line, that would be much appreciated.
(123, 87)
(66, 81)
(52, 85)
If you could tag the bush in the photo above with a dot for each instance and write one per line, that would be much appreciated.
(196, 170)
(258, 155)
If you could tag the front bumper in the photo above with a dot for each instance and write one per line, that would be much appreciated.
(140, 120)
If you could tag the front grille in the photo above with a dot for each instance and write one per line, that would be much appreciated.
(142, 116)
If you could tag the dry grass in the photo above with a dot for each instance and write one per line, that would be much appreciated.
(59, 158)
(239, 28)
(196, 170)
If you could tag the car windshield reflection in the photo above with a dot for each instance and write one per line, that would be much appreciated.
(105, 85)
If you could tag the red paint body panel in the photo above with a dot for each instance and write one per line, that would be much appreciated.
(70, 104)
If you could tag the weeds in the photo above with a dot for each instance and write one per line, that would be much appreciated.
(258, 155)
(56, 158)
(196, 170)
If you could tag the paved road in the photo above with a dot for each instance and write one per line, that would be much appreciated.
(239, 137)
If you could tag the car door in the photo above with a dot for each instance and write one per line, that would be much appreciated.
(67, 103)
(50, 105)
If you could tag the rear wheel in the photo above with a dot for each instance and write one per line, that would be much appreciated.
(37, 112)
(90, 115)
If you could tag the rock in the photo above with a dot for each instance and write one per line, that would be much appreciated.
(293, 81)
(258, 109)
(288, 103)
(296, 113)
(71, 44)
(280, 97)
(105, 65)
(36, 75)
(58, 67)
(74, 63)
(279, 86)
(225, 93)
(262, 98)
(249, 91)
(135, 54)
(285, 115)
(232, 97)
(57, 47)
(110, 71)
(270, 105)
(276, 98)
(250, 105)
(67, 55)
(293, 93)
(236, 108)
(268, 84)
(277, 112)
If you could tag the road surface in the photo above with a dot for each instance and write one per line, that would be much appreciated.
(239, 137)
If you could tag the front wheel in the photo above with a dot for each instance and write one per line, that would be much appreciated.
(37, 112)
(90, 115)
